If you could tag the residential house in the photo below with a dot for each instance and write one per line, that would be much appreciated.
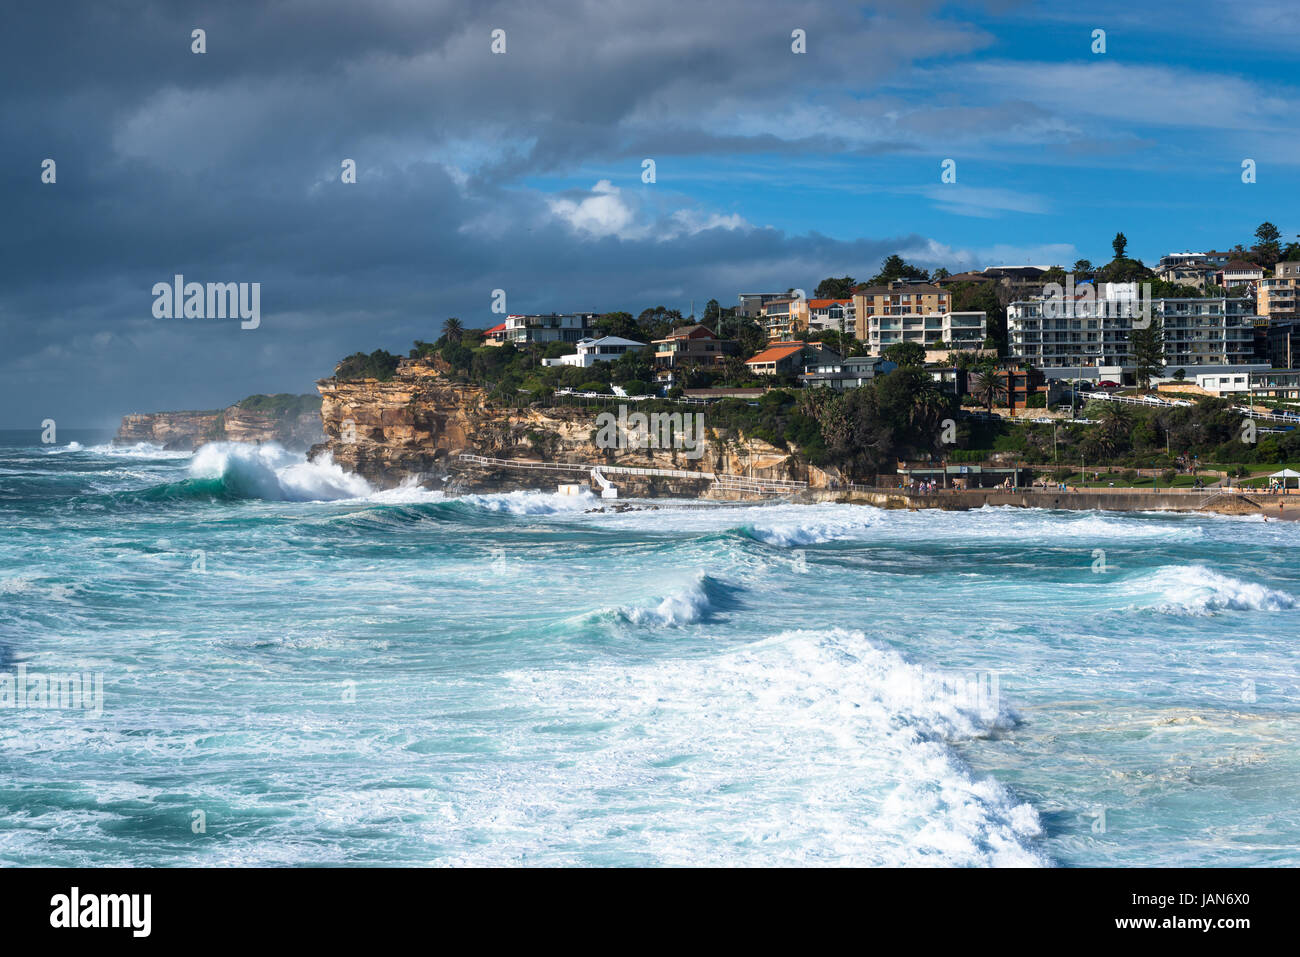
(849, 373)
(555, 327)
(1238, 273)
(691, 345)
(837, 314)
(591, 351)
(791, 358)
(1185, 269)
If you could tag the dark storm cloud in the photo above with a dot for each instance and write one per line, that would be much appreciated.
(225, 167)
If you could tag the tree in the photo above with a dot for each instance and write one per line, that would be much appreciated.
(1082, 268)
(619, 324)
(1111, 434)
(895, 267)
(1147, 349)
(1119, 244)
(940, 273)
(1268, 246)
(982, 381)
(452, 329)
(832, 288)
(905, 354)
(712, 312)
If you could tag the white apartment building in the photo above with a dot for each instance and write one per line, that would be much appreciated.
(1093, 333)
(961, 330)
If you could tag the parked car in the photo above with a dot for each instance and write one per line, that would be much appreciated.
(1107, 384)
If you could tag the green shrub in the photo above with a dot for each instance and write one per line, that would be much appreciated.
(378, 365)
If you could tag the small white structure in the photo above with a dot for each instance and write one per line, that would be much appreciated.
(1287, 475)
(591, 351)
(577, 489)
(607, 488)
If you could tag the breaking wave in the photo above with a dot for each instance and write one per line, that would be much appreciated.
(1197, 590)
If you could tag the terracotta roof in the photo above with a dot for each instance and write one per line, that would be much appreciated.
(776, 352)
(497, 328)
(1238, 265)
(823, 303)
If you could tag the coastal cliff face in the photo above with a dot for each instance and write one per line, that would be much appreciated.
(415, 425)
(293, 423)
(172, 430)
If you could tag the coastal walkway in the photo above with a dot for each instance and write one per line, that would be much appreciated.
(1232, 501)
(721, 481)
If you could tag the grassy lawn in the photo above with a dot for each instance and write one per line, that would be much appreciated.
(1116, 478)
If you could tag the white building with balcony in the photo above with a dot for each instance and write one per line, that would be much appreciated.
(961, 330)
(591, 351)
(1089, 336)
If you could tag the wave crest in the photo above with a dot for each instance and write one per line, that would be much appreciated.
(1197, 590)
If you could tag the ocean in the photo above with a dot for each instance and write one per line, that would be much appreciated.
(298, 669)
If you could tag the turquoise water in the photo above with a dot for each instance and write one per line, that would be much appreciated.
(300, 670)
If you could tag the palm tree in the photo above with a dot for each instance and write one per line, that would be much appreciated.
(1115, 422)
(984, 381)
(453, 329)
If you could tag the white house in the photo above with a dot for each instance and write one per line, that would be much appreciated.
(591, 351)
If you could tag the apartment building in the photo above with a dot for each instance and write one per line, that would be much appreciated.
(960, 330)
(1093, 333)
(555, 327)
(1282, 350)
(1275, 384)
(782, 318)
(902, 298)
(752, 303)
(1276, 294)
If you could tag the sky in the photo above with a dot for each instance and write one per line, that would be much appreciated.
(522, 170)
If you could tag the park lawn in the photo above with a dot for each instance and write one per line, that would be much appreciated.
(1142, 481)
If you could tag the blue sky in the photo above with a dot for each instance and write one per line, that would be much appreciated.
(522, 171)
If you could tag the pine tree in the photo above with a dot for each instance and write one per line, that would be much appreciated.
(1147, 350)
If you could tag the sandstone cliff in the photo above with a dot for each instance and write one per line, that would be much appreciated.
(414, 426)
(292, 421)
